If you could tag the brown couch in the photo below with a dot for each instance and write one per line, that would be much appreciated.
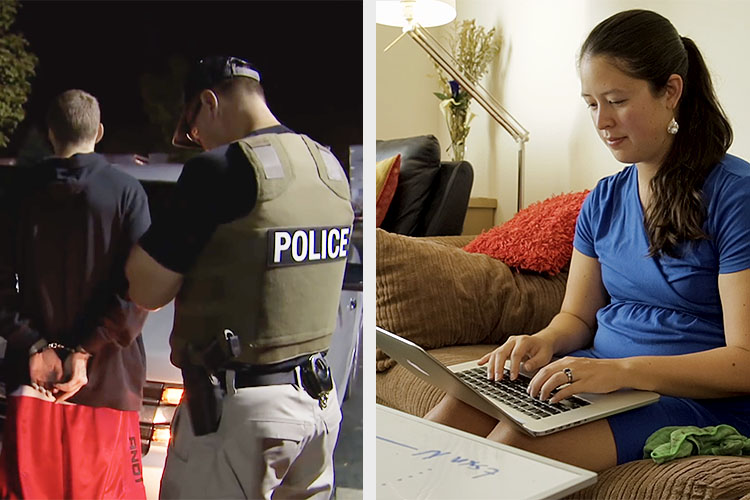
(459, 305)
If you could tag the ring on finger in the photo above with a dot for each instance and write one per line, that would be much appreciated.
(569, 373)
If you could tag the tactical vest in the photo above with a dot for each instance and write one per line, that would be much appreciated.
(273, 277)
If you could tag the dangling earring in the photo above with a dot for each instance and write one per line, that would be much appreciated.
(673, 127)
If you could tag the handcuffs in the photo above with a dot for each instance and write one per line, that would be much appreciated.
(42, 345)
(316, 379)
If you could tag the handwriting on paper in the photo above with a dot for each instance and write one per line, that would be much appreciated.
(483, 470)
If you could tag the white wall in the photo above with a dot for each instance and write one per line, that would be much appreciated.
(536, 80)
(405, 81)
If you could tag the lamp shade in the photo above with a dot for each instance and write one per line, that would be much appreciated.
(403, 13)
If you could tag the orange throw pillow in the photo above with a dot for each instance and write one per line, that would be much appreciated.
(538, 238)
(386, 180)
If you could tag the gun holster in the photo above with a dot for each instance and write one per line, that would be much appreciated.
(202, 389)
(203, 395)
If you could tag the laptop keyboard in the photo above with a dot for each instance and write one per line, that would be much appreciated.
(513, 393)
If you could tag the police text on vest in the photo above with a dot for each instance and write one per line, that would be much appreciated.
(289, 247)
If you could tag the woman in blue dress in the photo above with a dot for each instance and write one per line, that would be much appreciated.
(658, 293)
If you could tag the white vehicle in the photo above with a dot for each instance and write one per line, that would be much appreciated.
(161, 395)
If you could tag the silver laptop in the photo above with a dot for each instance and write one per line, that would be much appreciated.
(505, 399)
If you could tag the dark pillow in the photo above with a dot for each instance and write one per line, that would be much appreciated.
(420, 162)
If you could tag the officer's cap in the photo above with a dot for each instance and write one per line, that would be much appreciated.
(205, 74)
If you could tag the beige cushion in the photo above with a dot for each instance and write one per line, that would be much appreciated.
(693, 478)
(437, 295)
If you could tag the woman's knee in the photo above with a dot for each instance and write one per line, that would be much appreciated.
(455, 413)
(447, 405)
(572, 446)
(507, 433)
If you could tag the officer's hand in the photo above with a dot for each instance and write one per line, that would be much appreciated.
(76, 363)
(45, 370)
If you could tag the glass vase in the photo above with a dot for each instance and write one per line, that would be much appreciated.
(458, 149)
(458, 128)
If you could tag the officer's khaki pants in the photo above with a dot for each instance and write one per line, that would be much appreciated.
(273, 442)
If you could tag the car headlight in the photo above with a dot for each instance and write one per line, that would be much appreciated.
(161, 435)
(160, 401)
(172, 395)
(164, 414)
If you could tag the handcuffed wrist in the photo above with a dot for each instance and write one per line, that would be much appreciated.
(38, 347)
(81, 350)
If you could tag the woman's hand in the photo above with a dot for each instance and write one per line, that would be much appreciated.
(587, 375)
(531, 350)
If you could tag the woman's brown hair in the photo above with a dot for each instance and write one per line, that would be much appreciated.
(645, 45)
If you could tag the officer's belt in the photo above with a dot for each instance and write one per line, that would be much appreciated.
(244, 379)
(284, 372)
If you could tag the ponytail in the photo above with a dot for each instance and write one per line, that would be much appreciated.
(677, 209)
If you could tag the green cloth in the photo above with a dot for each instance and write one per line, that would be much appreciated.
(669, 443)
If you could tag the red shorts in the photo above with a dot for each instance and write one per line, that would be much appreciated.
(69, 451)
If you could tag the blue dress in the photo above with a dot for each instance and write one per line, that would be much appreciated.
(664, 305)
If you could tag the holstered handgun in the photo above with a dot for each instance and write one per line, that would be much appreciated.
(203, 395)
(202, 389)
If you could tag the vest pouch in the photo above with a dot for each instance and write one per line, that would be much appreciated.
(271, 164)
(329, 169)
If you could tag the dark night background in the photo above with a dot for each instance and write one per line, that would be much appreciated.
(309, 54)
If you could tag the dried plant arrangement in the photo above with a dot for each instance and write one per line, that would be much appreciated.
(473, 47)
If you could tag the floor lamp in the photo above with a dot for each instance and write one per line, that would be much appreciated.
(412, 16)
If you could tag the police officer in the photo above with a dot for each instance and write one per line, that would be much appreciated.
(253, 247)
